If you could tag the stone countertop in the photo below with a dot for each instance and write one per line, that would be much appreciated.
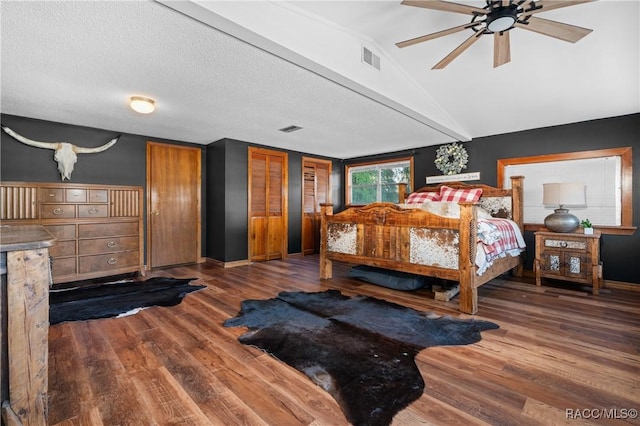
(24, 237)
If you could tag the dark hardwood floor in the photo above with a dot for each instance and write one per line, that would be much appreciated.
(560, 352)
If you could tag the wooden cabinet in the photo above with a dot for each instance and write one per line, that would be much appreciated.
(570, 257)
(98, 228)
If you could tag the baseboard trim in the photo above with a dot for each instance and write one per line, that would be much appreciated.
(620, 285)
(233, 264)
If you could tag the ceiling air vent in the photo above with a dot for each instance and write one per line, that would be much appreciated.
(370, 58)
(290, 129)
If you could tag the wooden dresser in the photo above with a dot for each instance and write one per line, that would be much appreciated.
(98, 228)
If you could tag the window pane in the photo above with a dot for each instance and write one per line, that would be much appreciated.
(364, 194)
(389, 193)
(370, 183)
(364, 177)
(395, 175)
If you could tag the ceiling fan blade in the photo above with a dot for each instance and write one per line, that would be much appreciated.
(445, 6)
(547, 5)
(458, 50)
(427, 37)
(559, 30)
(501, 49)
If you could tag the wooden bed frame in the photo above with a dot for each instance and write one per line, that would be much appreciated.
(387, 236)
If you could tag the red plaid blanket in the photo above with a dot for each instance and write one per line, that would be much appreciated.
(510, 238)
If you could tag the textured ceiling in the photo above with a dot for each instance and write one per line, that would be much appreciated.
(78, 62)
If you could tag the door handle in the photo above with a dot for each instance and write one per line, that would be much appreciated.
(155, 212)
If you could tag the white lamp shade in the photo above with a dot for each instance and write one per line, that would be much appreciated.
(564, 194)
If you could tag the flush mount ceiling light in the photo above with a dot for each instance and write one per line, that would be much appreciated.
(142, 104)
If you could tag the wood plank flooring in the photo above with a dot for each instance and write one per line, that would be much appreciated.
(559, 351)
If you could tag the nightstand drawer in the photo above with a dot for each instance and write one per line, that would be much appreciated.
(565, 244)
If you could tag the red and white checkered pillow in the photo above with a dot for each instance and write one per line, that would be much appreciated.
(457, 195)
(421, 197)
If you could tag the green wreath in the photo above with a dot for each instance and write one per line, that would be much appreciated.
(451, 158)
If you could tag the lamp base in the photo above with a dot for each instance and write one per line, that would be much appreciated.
(561, 221)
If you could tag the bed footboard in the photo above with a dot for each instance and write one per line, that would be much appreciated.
(387, 236)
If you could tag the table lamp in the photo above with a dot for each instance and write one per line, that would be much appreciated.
(563, 194)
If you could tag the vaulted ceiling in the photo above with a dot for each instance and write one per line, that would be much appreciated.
(245, 69)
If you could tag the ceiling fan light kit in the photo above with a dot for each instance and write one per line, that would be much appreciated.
(497, 18)
(502, 18)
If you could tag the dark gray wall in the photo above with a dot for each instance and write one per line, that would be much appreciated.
(228, 238)
(122, 164)
(225, 174)
(619, 252)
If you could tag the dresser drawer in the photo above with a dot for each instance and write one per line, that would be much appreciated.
(74, 195)
(51, 195)
(64, 266)
(106, 262)
(93, 230)
(63, 248)
(57, 211)
(98, 195)
(62, 232)
(93, 210)
(107, 245)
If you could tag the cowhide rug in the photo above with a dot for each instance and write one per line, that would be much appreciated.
(117, 298)
(359, 349)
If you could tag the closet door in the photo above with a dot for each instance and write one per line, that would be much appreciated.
(173, 204)
(316, 189)
(267, 204)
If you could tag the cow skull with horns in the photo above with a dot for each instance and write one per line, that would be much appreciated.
(65, 153)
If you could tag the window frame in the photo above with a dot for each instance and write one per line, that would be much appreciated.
(625, 154)
(349, 167)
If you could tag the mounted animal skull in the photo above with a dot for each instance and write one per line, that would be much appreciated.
(65, 153)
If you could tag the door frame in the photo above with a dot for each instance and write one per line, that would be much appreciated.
(199, 258)
(285, 197)
(329, 163)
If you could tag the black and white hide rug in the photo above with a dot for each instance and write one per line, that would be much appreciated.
(359, 349)
(116, 298)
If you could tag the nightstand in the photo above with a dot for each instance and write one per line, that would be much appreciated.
(570, 257)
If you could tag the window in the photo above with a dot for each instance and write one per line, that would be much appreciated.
(606, 174)
(374, 182)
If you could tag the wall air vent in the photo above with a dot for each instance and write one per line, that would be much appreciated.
(370, 58)
(290, 129)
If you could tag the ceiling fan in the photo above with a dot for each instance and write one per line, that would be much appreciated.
(497, 18)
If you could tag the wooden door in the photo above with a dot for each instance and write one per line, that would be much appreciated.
(316, 189)
(268, 181)
(173, 204)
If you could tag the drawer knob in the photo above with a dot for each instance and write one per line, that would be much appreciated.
(93, 211)
(57, 211)
(52, 195)
(112, 261)
(564, 244)
(112, 244)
